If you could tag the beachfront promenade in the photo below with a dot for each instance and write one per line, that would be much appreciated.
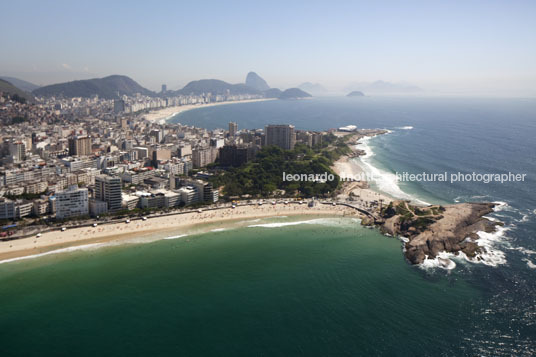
(222, 206)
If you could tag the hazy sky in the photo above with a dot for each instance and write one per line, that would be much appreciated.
(461, 46)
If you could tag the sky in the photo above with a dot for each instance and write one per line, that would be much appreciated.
(459, 47)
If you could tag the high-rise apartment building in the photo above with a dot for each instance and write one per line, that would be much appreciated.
(233, 128)
(108, 189)
(80, 146)
(280, 135)
(201, 157)
(17, 150)
(72, 202)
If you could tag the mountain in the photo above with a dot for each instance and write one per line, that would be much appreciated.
(6, 87)
(314, 88)
(294, 93)
(214, 86)
(19, 83)
(382, 87)
(254, 81)
(272, 93)
(106, 87)
(355, 93)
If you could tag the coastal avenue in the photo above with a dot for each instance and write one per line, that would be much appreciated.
(88, 223)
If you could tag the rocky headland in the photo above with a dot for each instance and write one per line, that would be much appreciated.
(433, 229)
(426, 230)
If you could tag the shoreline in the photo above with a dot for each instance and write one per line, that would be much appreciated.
(120, 232)
(428, 238)
(167, 113)
(359, 191)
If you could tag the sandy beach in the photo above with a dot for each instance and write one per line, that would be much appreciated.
(166, 113)
(54, 240)
(358, 191)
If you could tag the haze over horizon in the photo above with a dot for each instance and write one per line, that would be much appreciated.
(462, 48)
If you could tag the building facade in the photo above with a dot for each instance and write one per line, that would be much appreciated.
(280, 135)
(108, 189)
(72, 202)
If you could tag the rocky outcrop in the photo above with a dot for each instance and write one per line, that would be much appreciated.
(434, 229)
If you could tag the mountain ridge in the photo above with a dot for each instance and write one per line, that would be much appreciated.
(9, 88)
(314, 88)
(214, 86)
(106, 87)
(20, 83)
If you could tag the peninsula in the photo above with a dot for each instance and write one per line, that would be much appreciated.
(425, 230)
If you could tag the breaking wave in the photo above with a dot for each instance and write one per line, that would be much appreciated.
(59, 251)
(386, 181)
(333, 222)
(176, 237)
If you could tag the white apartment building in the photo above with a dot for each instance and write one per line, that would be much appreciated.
(72, 202)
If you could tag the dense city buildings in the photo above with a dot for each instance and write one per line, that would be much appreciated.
(65, 158)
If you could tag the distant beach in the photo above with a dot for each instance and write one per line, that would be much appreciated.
(166, 113)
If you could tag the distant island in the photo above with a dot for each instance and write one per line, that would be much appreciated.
(355, 93)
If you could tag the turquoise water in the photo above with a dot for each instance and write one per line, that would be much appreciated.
(327, 287)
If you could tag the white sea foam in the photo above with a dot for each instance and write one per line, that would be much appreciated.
(524, 215)
(530, 264)
(277, 224)
(177, 237)
(525, 250)
(490, 255)
(320, 221)
(93, 246)
(219, 230)
(404, 127)
(59, 251)
(386, 181)
(501, 206)
(444, 260)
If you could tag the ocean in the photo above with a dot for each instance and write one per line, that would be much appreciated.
(302, 285)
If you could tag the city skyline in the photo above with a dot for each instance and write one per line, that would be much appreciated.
(445, 48)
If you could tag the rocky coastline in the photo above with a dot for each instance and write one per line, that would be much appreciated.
(428, 231)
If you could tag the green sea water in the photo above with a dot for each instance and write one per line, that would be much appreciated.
(320, 287)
